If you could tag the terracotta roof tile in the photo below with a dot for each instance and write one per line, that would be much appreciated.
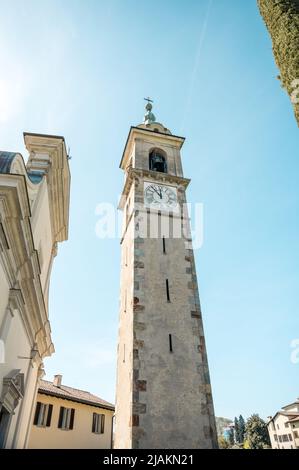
(296, 418)
(73, 394)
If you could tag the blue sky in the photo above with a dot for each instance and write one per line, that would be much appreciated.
(81, 69)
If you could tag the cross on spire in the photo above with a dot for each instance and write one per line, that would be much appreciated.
(149, 116)
(148, 100)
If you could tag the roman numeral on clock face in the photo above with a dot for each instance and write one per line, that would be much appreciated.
(160, 196)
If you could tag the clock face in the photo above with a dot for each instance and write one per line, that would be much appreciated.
(160, 196)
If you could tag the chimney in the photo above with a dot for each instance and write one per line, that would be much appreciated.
(57, 380)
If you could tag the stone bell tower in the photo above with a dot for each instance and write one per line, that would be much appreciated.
(163, 394)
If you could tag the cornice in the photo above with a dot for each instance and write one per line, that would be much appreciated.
(48, 155)
(134, 174)
(20, 260)
(156, 137)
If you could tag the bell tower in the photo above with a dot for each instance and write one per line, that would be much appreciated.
(163, 391)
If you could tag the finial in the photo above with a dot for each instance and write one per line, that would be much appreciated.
(149, 117)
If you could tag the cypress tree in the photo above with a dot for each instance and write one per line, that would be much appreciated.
(237, 430)
(241, 428)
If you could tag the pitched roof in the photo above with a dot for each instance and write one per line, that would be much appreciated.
(284, 413)
(291, 404)
(296, 418)
(73, 394)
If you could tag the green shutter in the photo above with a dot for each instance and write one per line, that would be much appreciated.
(50, 409)
(72, 418)
(60, 417)
(37, 411)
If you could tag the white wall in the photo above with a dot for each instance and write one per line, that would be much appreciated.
(280, 427)
(4, 292)
(17, 346)
(42, 232)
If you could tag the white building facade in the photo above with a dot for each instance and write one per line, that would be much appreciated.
(34, 212)
(283, 427)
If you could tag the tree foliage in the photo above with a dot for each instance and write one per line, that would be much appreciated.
(237, 431)
(241, 429)
(256, 433)
(282, 21)
(231, 437)
(223, 443)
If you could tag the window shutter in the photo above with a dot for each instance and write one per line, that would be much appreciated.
(37, 411)
(72, 418)
(103, 424)
(49, 415)
(93, 422)
(60, 417)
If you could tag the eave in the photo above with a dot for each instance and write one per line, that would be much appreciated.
(76, 400)
(158, 136)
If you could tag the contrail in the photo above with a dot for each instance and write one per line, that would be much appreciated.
(196, 63)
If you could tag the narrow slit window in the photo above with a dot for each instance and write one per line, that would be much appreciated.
(164, 245)
(170, 343)
(167, 291)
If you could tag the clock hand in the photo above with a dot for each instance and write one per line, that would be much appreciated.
(152, 187)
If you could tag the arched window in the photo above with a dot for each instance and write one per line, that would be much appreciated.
(157, 161)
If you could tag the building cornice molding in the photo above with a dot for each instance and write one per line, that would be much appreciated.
(135, 174)
(156, 137)
(20, 261)
(48, 155)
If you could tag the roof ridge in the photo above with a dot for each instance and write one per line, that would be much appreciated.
(69, 390)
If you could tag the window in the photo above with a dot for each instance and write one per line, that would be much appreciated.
(127, 210)
(157, 161)
(164, 245)
(4, 424)
(286, 425)
(275, 437)
(279, 438)
(170, 343)
(290, 437)
(296, 434)
(277, 426)
(43, 414)
(285, 438)
(167, 291)
(98, 423)
(66, 418)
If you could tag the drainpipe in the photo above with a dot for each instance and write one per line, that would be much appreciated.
(112, 426)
